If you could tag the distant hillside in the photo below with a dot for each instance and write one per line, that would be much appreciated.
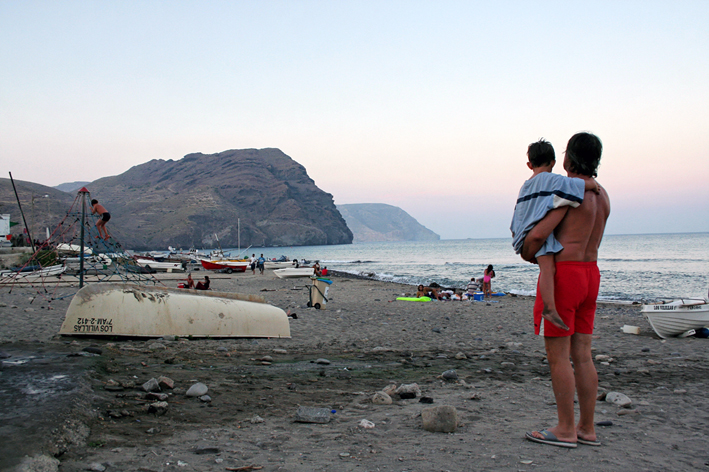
(71, 187)
(371, 222)
(186, 202)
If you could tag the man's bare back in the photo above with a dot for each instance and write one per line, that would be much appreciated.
(581, 231)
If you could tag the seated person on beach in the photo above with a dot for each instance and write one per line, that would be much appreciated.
(474, 285)
(429, 292)
(189, 283)
(540, 194)
(203, 285)
(97, 208)
(316, 269)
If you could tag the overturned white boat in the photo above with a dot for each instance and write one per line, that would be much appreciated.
(677, 317)
(104, 309)
(293, 272)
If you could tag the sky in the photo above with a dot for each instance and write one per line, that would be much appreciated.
(428, 106)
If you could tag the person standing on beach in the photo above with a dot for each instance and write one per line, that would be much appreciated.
(253, 264)
(261, 264)
(488, 275)
(576, 283)
(97, 208)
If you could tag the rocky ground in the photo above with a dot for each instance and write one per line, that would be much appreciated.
(65, 408)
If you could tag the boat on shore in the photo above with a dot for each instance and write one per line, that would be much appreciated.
(164, 266)
(107, 309)
(33, 273)
(677, 317)
(226, 265)
(293, 272)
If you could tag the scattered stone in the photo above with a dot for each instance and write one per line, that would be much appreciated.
(627, 412)
(222, 349)
(206, 450)
(322, 361)
(169, 338)
(280, 351)
(157, 347)
(157, 396)
(601, 396)
(127, 384)
(450, 375)
(619, 399)
(256, 419)
(306, 414)
(679, 391)
(96, 466)
(4, 355)
(379, 349)
(461, 356)
(151, 385)
(604, 423)
(153, 431)
(602, 357)
(267, 359)
(426, 400)
(159, 408)
(436, 330)
(93, 350)
(381, 398)
(366, 424)
(205, 399)
(390, 389)
(645, 349)
(408, 391)
(166, 382)
(197, 390)
(440, 419)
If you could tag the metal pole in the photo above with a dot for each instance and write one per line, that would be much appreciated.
(22, 213)
(81, 253)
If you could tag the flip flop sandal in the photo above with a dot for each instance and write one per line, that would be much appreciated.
(549, 438)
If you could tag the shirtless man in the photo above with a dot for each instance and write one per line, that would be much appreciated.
(576, 283)
(97, 208)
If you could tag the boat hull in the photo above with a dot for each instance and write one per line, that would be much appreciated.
(292, 273)
(672, 320)
(131, 310)
(233, 266)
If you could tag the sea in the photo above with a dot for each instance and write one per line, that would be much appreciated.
(634, 268)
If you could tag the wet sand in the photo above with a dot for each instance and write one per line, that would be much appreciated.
(370, 340)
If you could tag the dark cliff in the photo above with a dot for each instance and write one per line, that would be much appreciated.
(187, 202)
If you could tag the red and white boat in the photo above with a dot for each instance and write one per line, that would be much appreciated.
(225, 264)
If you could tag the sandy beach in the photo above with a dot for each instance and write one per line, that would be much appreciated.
(65, 409)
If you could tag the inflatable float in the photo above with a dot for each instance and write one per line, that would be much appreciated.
(105, 309)
(413, 299)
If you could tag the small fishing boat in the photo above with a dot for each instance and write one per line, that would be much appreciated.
(226, 265)
(106, 309)
(156, 265)
(293, 272)
(278, 264)
(32, 274)
(677, 317)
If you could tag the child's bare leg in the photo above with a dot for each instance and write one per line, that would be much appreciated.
(547, 270)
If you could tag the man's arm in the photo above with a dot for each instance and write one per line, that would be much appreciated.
(541, 231)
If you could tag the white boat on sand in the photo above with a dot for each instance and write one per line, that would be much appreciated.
(105, 309)
(293, 272)
(677, 317)
(159, 266)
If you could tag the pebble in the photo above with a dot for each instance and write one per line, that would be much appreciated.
(408, 391)
(461, 356)
(197, 390)
(381, 398)
(322, 361)
(680, 391)
(157, 396)
(206, 450)
(93, 350)
(306, 414)
(366, 424)
(619, 399)
(205, 399)
(450, 375)
(389, 389)
(440, 419)
(222, 349)
(166, 382)
(151, 385)
(157, 347)
(96, 466)
(280, 351)
(159, 408)
(256, 419)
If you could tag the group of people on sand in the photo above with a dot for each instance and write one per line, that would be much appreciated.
(476, 285)
(189, 283)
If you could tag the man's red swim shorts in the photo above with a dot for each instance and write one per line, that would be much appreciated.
(575, 292)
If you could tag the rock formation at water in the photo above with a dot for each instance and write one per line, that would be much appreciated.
(371, 222)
